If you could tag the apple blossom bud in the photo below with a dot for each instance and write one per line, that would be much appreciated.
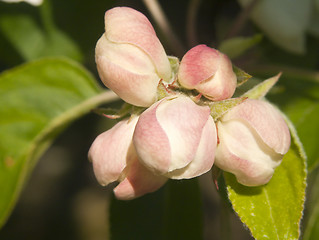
(130, 58)
(114, 159)
(253, 138)
(208, 71)
(176, 138)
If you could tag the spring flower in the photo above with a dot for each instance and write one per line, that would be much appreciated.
(114, 159)
(130, 58)
(176, 138)
(208, 71)
(253, 138)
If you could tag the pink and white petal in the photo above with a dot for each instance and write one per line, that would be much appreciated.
(136, 89)
(127, 71)
(151, 142)
(182, 121)
(139, 181)
(205, 155)
(243, 153)
(126, 25)
(109, 151)
(125, 55)
(223, 84)
(266, 120)
(198, 64)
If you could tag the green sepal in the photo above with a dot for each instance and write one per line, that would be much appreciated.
(260, 90)
(218, 109)
(125, 111)
(241, 75)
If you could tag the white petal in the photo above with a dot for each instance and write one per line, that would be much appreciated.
(204, 158)
(112, 150)
(242, 152)
(138, 181)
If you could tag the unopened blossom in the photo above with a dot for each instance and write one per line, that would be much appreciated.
(176, 138)
(130, 58)
(32, 2)
(208, 71)
(114, 159)
(253, 138)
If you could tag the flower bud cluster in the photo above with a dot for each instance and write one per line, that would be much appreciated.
(176, 136)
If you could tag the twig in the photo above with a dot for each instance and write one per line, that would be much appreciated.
(191, 22)
(163, 23)
(241, 19)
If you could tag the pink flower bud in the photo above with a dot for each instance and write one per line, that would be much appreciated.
(208, 71)
(130, 58)
(253, 137)
(176, 138)
(114, 159)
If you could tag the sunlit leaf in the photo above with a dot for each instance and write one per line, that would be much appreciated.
(32, 42)
(37, 101)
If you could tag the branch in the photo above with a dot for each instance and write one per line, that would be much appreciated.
(164, 25)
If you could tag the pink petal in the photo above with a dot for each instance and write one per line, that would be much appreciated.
(126, 25)
(242, 152)
(168, 134)
(138, 182)
(266, 120)
(198, 64)
(223, 84)
(205, 154)
(111, 151)
(208, 71)
(182, 121)
(151, 142)
(130, 74)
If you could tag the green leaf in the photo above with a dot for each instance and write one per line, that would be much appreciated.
(235, 47)
(37, 101)
(32, 42)
(274, 211)
(284, 22)
(305, 114)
